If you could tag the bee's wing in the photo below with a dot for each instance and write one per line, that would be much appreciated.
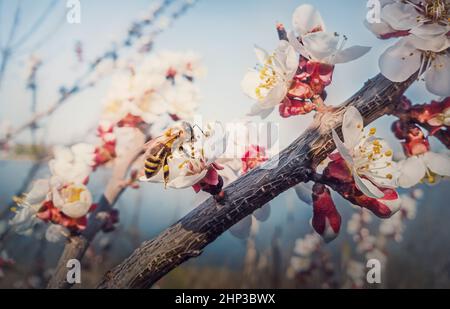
(152, 144)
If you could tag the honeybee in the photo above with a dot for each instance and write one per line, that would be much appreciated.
(160, 149)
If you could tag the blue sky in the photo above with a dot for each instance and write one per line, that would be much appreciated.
(223, 32)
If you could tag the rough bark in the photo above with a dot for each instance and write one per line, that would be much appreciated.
(187, 237)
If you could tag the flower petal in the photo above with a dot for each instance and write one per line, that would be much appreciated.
(349, 54)
(242, 228)
(367, 187)
(412, 170)
(352, 127)
(400, 61)
(257, 110)
(261, 55)
(38, 192)
(320, 45)
(379, 29)
(304, 192)
(400, 16)
(249, 84)
(438, 163)
(437, 78)
(434, 44)
(341, 148)
(431, 30)
(306, 18)
(263, 213)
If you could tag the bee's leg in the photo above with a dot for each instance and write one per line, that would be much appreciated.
(185, 152)
(166, 171)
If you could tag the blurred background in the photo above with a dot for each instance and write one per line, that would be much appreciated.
(223, 33)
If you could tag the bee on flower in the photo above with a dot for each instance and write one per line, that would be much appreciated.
(182, 158)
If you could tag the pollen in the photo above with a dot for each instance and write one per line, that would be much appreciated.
(388, 153)
(73, 194)
(389, 176)
(373, 131)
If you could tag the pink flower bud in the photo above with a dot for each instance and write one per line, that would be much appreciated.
(326, 220)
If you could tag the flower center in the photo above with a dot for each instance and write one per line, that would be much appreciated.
(371, 157)
(72, 194)
(437, 11)
(268, 77)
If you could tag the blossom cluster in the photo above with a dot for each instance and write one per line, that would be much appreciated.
(295, 75)
(63, 200)
(424, 30)
(150, 96)
(421, 163)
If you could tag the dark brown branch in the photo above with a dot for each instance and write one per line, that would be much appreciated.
(187, 237)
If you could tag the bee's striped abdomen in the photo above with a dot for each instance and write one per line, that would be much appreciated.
(152, 166)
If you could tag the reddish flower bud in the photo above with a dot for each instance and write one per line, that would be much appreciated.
(253, 157)
(416, 143)
(300, 90)
(326, 219)
(399, 129)
(337, 170)
(130, 121)
(383, 207)
(320, 71)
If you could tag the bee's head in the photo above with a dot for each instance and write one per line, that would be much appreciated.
(187, 132)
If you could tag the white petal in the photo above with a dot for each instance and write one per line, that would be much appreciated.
(341, 148)
(438, 163)
(350, 54)
(263, 213)
(431, 30)
(400, 16)
(249, 84)
(367, 187)
(291, 62)
(296, 44)
(55, 233)
(80, 208)
(437, 78)
(320, 44)
(304, 192)
(412, 170)
(38, 192)
(76, 209)
(306, 18)
(261, 55)
(380, 28)
(242, 228)
(400, 61)
(257, 110)
(328, 234)
(434, 44)
(352, 127)
(274, 96)
(62, 153)
(182, 182)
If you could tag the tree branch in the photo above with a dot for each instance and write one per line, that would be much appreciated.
(77, 245)
(187, 237)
